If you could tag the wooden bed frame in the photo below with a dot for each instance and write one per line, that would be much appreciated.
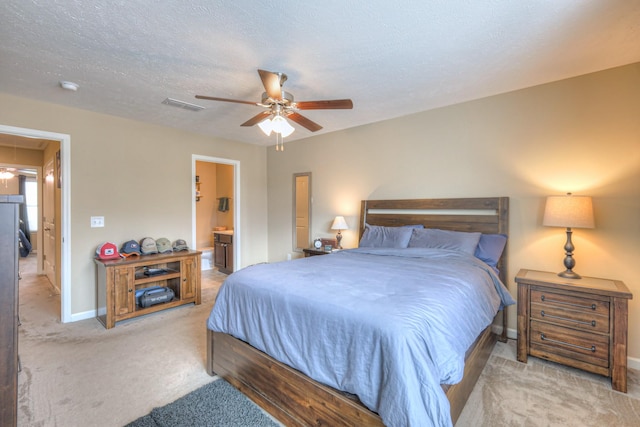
(297, 400)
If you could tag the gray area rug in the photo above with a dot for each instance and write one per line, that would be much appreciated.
(217, 404)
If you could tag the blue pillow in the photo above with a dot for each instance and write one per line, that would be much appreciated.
(444, 239)
(490, 248)
(376, 236)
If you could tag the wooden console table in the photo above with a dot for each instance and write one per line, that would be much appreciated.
(119, 279)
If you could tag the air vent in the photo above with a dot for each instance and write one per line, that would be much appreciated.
(181, 104)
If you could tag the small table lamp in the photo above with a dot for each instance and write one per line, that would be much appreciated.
(569, 211)
(339, 224)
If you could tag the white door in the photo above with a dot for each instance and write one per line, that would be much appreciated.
(48, 224)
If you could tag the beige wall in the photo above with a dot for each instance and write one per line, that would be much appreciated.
(9, 186)
(206, 207)
(580, 135)
(138, 176)
(224, 188)
(13, 156)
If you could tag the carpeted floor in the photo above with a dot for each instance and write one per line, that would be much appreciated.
(541, 393)
(80, 374)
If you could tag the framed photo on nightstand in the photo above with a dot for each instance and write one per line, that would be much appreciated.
(328, 244)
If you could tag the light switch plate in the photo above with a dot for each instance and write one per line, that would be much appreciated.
(97, 221)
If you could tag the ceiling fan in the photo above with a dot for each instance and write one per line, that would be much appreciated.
(279, 105)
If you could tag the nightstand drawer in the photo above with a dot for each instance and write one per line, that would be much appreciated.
(579, 319)
(575, 302)
(569, 343)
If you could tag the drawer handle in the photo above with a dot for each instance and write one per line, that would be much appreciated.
(544, 338)
(551, 316)
(592, 306)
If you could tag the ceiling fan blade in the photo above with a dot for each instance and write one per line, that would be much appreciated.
(213, 98)
(257, 118)
(334, 104)
(271, 82)
(303, 121)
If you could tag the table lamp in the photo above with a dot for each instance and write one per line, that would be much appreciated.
(571, 212)
(339, 224)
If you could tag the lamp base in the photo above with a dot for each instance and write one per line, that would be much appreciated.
(569, 262)
(569, 274)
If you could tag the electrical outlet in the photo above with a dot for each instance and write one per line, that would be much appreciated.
(97, 221)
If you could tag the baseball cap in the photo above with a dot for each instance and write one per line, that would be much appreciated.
(130, 248)
(107, 250)
(148, 246)
(180, 245)
(164, 245)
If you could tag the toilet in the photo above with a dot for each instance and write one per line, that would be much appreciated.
(207, 258)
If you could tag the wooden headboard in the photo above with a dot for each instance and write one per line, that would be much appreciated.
(489, 215)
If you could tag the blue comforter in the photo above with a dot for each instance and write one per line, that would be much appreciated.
(389, 325)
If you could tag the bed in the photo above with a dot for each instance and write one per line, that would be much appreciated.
(293, 397)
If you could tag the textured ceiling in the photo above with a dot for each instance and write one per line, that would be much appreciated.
(390, 58)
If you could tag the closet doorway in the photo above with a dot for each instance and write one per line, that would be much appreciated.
(216, 211)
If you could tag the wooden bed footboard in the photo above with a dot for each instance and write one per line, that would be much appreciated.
(288, 395)
(296, 400)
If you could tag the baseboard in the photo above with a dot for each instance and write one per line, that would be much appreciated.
(632, 362)
(511, 333)
(83, 315)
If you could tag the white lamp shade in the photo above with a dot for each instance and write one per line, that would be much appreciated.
(569, 211)
(266, 126)
(282, 126)
(287, 129)
(339, 224)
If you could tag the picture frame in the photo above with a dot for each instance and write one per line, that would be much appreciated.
(329, 242)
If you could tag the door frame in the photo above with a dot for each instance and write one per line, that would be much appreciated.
(236, 207)
(65, 223)
(41, 239)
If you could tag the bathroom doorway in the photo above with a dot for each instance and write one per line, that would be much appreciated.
(216, 213)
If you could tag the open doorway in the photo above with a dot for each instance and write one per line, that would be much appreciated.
(31, 148)
(216, 225)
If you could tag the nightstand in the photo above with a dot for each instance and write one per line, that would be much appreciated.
(580, 323)
(313, 252)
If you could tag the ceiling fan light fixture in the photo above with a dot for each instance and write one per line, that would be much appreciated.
(266, 126)
(5, 174)
(282, 126)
